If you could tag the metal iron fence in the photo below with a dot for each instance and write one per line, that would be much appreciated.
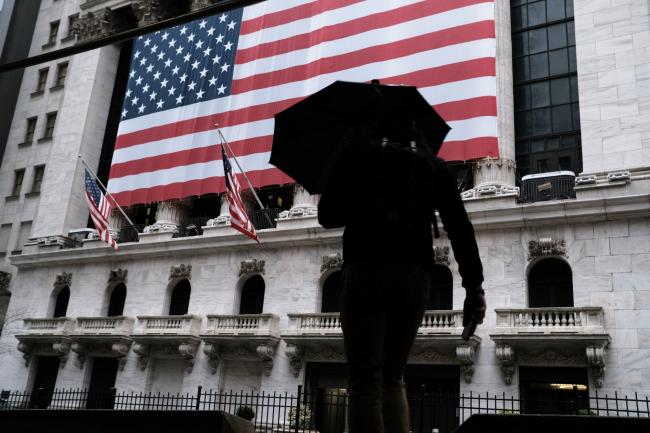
(324, 410)
(265, 218)
(191, 227)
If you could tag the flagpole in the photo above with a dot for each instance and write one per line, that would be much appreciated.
(108, 194)
(259, 202)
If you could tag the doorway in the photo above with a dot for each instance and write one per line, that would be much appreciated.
(102, 384)
(47, 369)
(554, 390)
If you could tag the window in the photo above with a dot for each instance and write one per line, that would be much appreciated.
(61, 302)
(547, 118)
(252, 296)
(116, 303)
(180, 299)
(72, 20)
(39, 171)
(331, 293)
(5, 232)
(54, 31)
(29, 131)
(19, 175)
(61, 73)
(50, 121)
(23, 236)
(42, 79)
(550, 284)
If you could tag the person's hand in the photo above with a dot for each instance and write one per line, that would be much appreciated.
(474, 306)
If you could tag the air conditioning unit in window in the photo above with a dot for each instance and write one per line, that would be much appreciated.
(555, 185)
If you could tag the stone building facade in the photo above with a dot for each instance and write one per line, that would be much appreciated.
(567, 280)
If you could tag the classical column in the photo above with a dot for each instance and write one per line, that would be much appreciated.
(224, 214)
(496, 176)
(168, 217)
(115, 223)
(304, 204)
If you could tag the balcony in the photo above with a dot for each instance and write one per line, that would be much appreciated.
(241, 337)
(166, 337)
(42, 336)
(551, 336)
(319, 337)
(107, 336)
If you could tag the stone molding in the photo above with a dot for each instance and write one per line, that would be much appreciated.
(441, 256)
(493, 177)
(199, 4)
(251, 266)
(264, 351)
(94, 25)
(185, 349)
(180, 271)
(305, 205)
(115, 349)
(63, 279)
(546, 247)
(118, 275)
(168, 217)
(596, 359)
(214, 356)
(465, 353)
(332, 261)
(506, 355)
(59, 347)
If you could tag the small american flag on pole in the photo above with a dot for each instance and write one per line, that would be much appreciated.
(239, 218)
(99, 208)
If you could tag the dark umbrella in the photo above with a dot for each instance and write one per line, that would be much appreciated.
(310, 135)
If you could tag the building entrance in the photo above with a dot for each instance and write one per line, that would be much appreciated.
(44, 381)
(102, 383)
(554, 390)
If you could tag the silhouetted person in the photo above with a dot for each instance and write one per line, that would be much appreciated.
(385, 192)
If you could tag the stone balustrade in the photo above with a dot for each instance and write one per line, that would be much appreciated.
(551, 319)
(242, 324)
(104, 325)
(168, 325)
(442, 322)
(53, 326)
(315, 323)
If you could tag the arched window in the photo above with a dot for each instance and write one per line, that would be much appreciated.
(61, 303)
(252, 296)
(550, 284)
(331, 293)
(180, 299)
(442, 289)
(116, 303)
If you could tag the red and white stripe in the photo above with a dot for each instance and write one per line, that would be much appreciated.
(289, 49)
(99, 215)
(238, 217)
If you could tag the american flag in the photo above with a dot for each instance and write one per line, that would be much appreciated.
(99, 209)
(238, 217)
(240, 67)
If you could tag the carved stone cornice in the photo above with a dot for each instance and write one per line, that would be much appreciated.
(187, 351)
(441, 256)
(95, 25)
(429, 355)
(546, 247)
(596, 360)
(117, 349)
(184, 348)
(266, 352)
(118, 275)
(5, 281)
(506, 356)
(331, 262)
(465, 354)
(199, 4)
(144, 353)
(214, 356)
(149, 11)
(180, 271)
(63, 279)
(252, 266)
(59, 347)
(295, 355)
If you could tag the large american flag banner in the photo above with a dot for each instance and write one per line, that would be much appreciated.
(100, 209)
(238, 68)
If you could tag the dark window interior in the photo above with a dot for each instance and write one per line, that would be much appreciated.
(252, 296)
(331, 293)
(442, 289)
(116, 304)
(47, 370)
(180, 300)
(550, 284)
(554, 390)
(61, 305)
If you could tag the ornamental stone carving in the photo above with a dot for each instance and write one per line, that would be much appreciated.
(494, 177)
(550, 357)
(295, 355)
(252, 266)
(149, 11)
(118, 275)
(441, 256)
(27, 350)
(180, 271)
(429, 355)
(546, 247)
(199, 4)
(94, 25)
(117, 350)
(506, 356)
(304, 205)
(465, 354)
(82, 353)
(331, 262)
(187, 351)
(59, 348)
(63, 279)
(214, 356)
(266, 353)
(596, 359)
(5, 281)
(143, 351)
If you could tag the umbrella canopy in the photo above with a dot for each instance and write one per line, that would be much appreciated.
(311, 135)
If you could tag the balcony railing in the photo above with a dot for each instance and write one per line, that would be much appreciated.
(191, 227)
(265, 218)
(442, 322)
(49, 326)
(242, 324)
(551, 319)
(168, 325)
(130, 233)
(104, 325)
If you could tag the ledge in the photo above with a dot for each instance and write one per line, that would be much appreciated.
(68, 38)
(44, 139)
(58, 87)
(48, 45)
(37, 93)
(33, 194)
(12, 197)
(26, 143)
(309, 232)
